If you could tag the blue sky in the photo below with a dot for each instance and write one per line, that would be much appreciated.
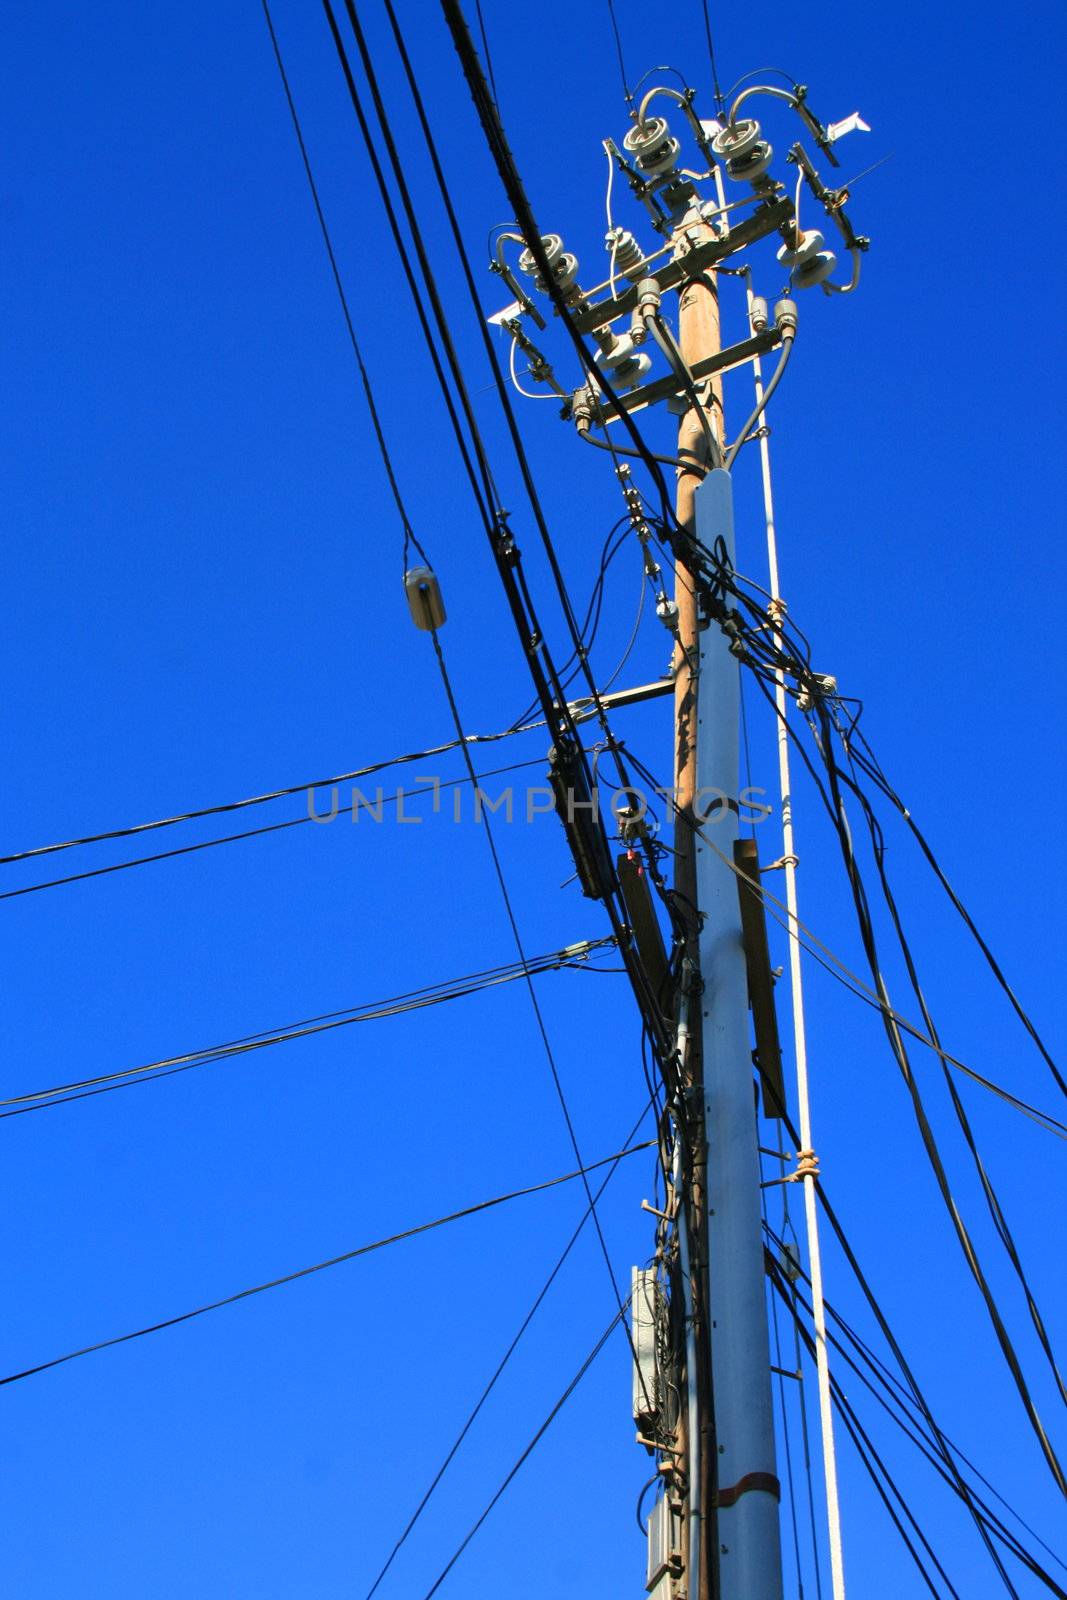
(202, 576)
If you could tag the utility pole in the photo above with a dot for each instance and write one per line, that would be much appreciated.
(702, 1376)
(698, 338)
(735, 1526)
(747, 1491)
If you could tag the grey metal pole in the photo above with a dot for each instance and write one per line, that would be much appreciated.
(749, 1555)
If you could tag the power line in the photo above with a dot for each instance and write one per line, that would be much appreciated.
(255, 833)
(843, 974)
(867, 1367)
(528, 1451)
(926, 1133)
(872, 767)
(409, 534)
(325, 1022)
(627, 92)
(534, 1002)
(498, 1369)
(485, 47)
(319, 1266)
(720, 102)
(556, 710)
(558, 714)
(1000, 1221)
(226, 806)
(868, 1293)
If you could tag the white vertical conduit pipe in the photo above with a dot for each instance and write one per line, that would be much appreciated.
(822, 1361)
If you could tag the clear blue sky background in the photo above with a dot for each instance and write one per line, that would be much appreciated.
(201, 575)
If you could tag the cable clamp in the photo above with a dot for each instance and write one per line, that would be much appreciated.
(783, 861)
(776, 608)
(807, 1167)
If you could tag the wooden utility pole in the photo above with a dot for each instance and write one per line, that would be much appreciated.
(698, 338)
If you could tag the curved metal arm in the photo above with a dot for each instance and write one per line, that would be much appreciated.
(847, 288)
(760, 88)
(686, 103)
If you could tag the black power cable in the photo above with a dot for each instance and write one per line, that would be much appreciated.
(888, 1393)
(255, 833)
(526, 1453)
(879, 1473)
(503, 393)
(996, 1211)
(720, 102)
(926, 1133)
(479, 478)
(319, 1266)
(499, 1369)
(305, 1027)
(867, 760)
(546, 679)
(839, 1232)
(383, 449)
(534, 1002)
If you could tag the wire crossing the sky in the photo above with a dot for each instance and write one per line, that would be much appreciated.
(318, 1266)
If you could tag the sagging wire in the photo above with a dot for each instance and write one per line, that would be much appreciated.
(318, 1266)
(324, 1022)
(501, 1365)
(870, 1370)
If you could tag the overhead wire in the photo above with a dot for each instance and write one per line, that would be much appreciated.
(996, 1211)
(498, 1370)
(557, 713)
(306, 1272)
(526, 1453)
(926, 1133)
(821, 1191)
(898, 1395)
(843, 974)
(357, 806)
(627, 92)
(324, 1022)
(478, 475)
(927, 1136)
(866, 759)
(409, 533)
(535, 1004)
(720, 99)
(797, 663)
(888, 1392)
(882, 1479)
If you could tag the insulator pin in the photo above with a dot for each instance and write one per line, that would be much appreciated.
(628, 256)
(563, 265)
(654, 149)
(746, 155)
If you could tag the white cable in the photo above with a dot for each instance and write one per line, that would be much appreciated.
(811, 1215)
(611, 180)
(611, 225)
(526, 395)
(796, 208)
